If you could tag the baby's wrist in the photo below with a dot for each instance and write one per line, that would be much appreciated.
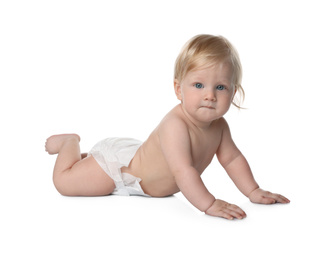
(249, 194)
(209, 205)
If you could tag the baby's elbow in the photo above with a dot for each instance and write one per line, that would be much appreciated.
(226, 161)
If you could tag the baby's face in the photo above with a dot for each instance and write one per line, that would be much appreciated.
(206, 94)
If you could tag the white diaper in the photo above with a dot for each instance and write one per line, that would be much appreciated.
(114, 153)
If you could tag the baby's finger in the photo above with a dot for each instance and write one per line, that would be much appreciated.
(279, 198)
(282, 199)
(267, 200)
(229, 214)
(224, 214)
(237, 212)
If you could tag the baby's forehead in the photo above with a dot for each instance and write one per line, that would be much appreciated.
(206, 63)
(223, 69)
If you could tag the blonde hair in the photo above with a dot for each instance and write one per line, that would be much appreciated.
(208, 50)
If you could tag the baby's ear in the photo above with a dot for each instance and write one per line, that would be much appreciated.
(178, 90)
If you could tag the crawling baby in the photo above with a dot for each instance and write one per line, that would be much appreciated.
(207, 77)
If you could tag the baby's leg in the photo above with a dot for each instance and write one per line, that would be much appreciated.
(73, 176)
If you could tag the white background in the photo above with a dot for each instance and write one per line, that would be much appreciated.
(105, 68)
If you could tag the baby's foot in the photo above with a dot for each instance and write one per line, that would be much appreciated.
(54, 143)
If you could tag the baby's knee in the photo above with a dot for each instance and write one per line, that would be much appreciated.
(62, 187)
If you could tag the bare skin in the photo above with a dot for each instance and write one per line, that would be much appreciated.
(176, 153)
(74, 176)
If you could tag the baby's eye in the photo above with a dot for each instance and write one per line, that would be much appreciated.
(220, 87)
(198, 85)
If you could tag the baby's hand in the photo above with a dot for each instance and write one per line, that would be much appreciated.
(266, 197)
(223, 209)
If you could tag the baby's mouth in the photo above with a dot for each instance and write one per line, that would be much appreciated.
(208, 107)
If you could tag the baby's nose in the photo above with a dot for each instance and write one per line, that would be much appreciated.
(210, 95)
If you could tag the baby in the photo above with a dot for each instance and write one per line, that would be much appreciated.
(207, 77)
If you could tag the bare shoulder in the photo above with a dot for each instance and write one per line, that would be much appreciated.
(221, 124)
(174, 139)
(227, 148)
(173, 122)
(226, 133)
(220, 128)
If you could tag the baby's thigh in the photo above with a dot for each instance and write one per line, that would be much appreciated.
(85, 178)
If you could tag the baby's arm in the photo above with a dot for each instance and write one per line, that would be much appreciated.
(176, 147)
(239, 171)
